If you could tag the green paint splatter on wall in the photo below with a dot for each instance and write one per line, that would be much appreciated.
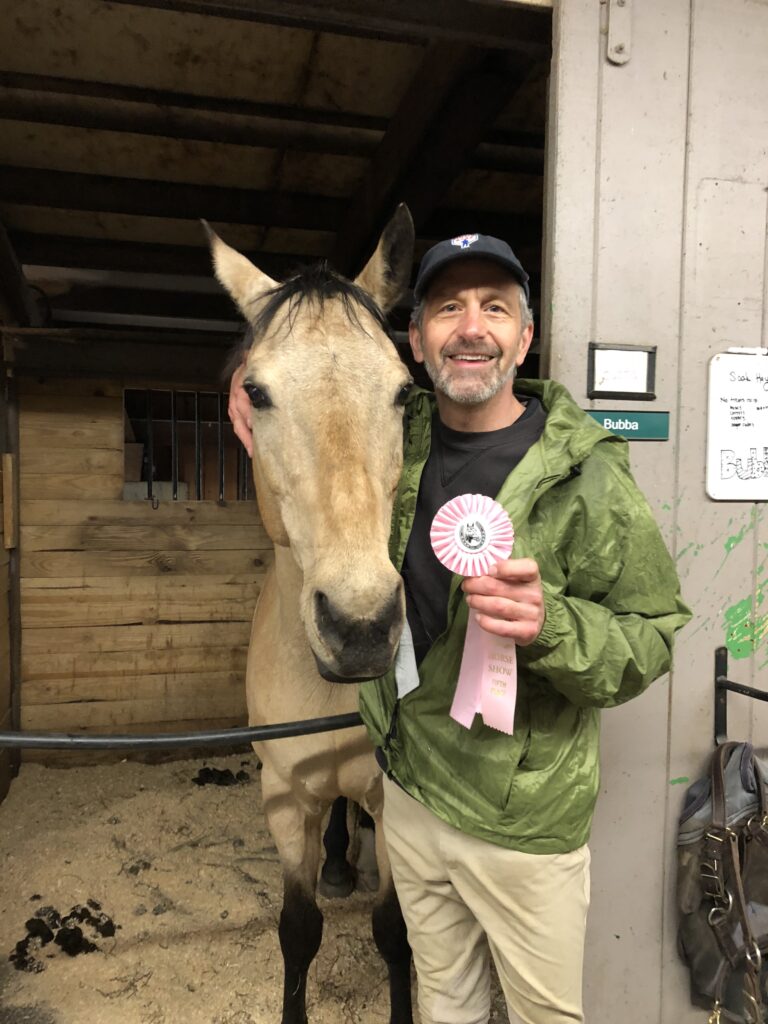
(679, 782)
(684, 551)
(737, 538)
(754, 516)
(745, 630)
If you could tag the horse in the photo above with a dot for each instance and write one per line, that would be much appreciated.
(328, 389)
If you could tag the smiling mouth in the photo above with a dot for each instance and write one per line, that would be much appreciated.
(466, 357)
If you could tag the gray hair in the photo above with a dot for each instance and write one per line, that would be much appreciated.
(526, 314)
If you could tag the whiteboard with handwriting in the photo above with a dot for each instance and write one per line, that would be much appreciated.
(737, 426)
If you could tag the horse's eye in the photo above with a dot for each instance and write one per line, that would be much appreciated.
(259, 396)
(402, 394)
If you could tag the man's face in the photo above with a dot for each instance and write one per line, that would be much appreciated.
(471, 339)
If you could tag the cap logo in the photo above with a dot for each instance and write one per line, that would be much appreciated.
(464, 241)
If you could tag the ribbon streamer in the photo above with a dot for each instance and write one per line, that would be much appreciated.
(469, 534)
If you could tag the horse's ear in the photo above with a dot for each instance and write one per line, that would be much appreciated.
(387, 273)
(244, 282)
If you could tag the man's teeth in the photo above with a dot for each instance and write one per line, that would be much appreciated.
(471, 359)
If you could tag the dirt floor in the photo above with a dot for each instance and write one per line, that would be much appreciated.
(177, 886)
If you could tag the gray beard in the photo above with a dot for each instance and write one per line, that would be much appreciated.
(447, 386)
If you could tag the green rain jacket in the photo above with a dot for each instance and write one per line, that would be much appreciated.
(612, 603)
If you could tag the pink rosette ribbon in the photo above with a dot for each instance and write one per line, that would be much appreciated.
(469, 534)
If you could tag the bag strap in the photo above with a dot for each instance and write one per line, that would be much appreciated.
(719, 760)
(728, 842)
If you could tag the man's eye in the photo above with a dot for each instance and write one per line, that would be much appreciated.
(259, 396)
(402, 394)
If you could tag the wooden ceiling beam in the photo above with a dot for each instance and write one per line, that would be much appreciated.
(322, 116)
(443, 67)
(46, 99)
(137, 257)
(187, 305)
(518, 28)
(449, 107)
(144, 113)
(108, 194)
(140, 356)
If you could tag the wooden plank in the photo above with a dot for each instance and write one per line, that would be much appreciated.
(94, 408)
(94, 536)
(147, 257)
(138, 600)
(87, 564)
(46, 99)
(78, 667)
(70, 485)
(103, 193)
(222, 691)
(98, 715)
(142, 586)
(70, 386)
(10, 502)
(521, 27)
(106, 639)
(454, 98)
(49, 421)
(183, 513)
(80, 461)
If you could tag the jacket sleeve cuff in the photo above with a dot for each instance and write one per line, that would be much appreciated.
(554, 630)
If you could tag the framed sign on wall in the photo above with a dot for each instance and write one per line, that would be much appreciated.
(737, 425)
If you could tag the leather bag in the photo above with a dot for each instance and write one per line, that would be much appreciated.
(722, 886)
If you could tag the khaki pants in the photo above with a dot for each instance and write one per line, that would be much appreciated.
(456, 891)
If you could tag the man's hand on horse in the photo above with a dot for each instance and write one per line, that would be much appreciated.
(240, 409)
(509, 601)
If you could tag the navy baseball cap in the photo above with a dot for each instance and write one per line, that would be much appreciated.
(465, 247)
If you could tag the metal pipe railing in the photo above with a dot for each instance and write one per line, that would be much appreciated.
(217, 738)
(724, 686)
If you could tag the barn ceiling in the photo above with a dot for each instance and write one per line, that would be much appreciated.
(294, 127)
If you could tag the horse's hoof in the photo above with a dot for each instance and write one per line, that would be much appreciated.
(336, 882)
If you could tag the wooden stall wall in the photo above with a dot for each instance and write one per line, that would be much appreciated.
(134, 618)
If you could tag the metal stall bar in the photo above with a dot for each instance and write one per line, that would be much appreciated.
(220, 418)
(198, 450)
(722, 687)
(174, 450)
(150, 446)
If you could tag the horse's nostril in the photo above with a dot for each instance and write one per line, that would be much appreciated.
(328, 617)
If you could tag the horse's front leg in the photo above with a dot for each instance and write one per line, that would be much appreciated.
(297, 837)
(391, 937)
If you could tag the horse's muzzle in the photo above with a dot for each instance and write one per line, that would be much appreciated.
(360, 648)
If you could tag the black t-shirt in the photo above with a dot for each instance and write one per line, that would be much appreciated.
(458, 463)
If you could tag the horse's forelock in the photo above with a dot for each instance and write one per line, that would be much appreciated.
(314, 286)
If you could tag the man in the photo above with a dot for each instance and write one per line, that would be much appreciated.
(487, 832)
